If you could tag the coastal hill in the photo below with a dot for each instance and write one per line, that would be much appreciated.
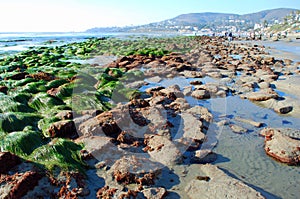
(207, 18)
(207, 21)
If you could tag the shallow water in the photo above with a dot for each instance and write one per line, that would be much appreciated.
(243, 155)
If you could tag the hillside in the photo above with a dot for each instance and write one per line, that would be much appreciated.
(208, 20)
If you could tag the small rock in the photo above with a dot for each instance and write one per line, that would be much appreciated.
(283, 109)
(201, 94)
(3, 89)
(196, 82)
(63, 129)
(155, 193)
(238, 129)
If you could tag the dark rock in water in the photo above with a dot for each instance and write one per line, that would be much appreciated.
(196, 82)
(3, 89)
(17, 76)
(283, 109)
(282, 146)
(63, 129)
(7, 161)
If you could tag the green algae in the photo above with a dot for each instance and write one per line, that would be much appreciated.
(22, 143)
(10, 122)
(28, 104)
(44, 101)
(45, 123)
(23, 82)
(55, 83)
(61, 153)
(33, 87)
(65, 91)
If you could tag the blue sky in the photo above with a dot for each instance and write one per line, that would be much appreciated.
(79, 15)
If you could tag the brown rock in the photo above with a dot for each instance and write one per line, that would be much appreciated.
(281, 146)
(42, 76)
(102, 124)
(132, 169)
(8, 161)
(17, 76)
(163, 150)
(3, 89)
(63, 129)
(28, 181)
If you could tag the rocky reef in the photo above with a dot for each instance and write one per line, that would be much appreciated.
(111, 130)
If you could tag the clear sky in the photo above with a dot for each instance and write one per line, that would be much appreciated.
(79, 15)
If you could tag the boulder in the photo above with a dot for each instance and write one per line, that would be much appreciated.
(102, 125)
(283, 109)
(132, 169)
(201, 94)
(63, 129)
(281, 146)
(261, 95)
(214, 183)
(8, 161)
(163, 150)
(3, 89)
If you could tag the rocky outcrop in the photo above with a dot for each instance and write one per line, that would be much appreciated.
(282, 144)
(214, 183)
(134, 169)
(262, 95)
(8, 161)
(63, 129)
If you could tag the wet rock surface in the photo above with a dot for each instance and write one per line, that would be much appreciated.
(282, 144)
(216, 184)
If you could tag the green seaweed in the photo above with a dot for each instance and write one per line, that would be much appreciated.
(34, 87)
(61, 153)
(23, 82)
(22, 143)
(55, 83)
(10, 122)
(44, 101)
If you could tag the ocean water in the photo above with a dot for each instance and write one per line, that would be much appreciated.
(11, 43)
